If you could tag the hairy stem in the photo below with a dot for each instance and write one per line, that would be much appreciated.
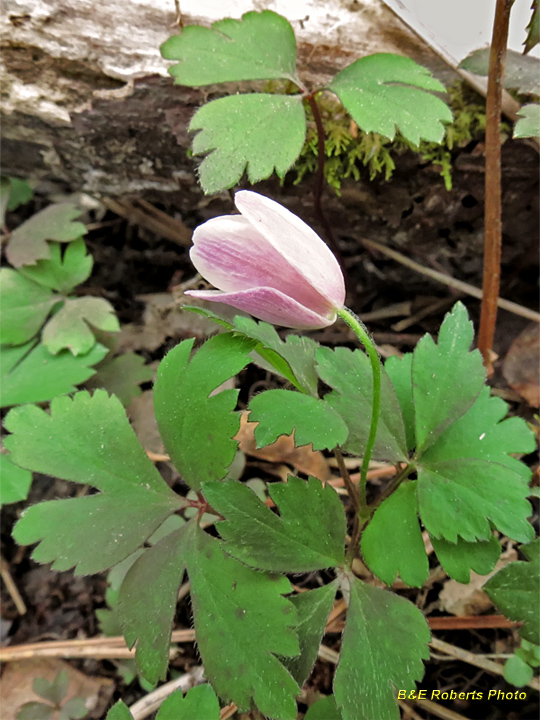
(492, 221)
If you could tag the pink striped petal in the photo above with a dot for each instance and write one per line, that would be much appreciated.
(269, 305)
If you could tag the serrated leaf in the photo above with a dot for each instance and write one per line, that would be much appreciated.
(119, 711)
(439, 370)
(61, 272)
(349, 373)
(308, 535)
(54, 691)
(31, 374)
(197, 429)
(14, 481)
(313, 608)
(244, 611)
(372, 662)
(260, 46)
(87, 439)
(392, 542)
(324, 709)
(147, 602)
(35, 711)
(70, 326)
(458, 559)
(383, 92)
(514, 590)
(528, 124)
(533, 28)
(482, 433)
(200, 703)
(464, 497)
(521, 72)
(28, 243)
(256, 133)
(25, 307)
(280, 412)
(399, 371)
(122, 376)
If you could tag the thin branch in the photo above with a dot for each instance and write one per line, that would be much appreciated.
(351, 488)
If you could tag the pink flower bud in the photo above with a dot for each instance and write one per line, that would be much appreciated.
(269, 263)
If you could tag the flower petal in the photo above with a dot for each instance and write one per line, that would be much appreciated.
(233, 256)
(269, 305)
(296, 242)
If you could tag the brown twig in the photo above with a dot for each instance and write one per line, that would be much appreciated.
(11, 587)
(492, 205)
(351, 488)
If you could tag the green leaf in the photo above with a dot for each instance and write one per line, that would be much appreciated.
(350, 374)
(244, 611)
(260, 46)
(21, 192)
(73, 709)
(69, 327)
(533, 34)
(87, 439)
(259, 133)
(324, 709)
(514, 590)
(392, 542)
(463, 497)
(529, 123)
(521, 72)
(280, 412)
(313, 608)
(529, 653)
(14, 481)
(31, 374)
(197, 429)
(147, 602)
(308, 535)
(62, 272)
(458, 559)
(54, 691)
(399, 371)
(373, 661)
(383, 92)
(119, 711)
(25, 307)
(122, 376)
(200, 703)
(35, 711)
(446, 377)
(28, 243)
(517, 672)
(482, 433)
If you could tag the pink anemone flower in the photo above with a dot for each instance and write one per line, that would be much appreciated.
(269, 263)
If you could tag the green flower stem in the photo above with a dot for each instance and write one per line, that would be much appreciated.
(358, 327)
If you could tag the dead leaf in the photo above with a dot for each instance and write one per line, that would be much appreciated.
(18, 678)
(305, 459)
(520, 367)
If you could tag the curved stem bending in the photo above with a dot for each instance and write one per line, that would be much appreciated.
(358, 327)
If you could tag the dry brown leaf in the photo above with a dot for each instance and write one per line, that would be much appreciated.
(305, 459)
(522, 363)
(18, 678)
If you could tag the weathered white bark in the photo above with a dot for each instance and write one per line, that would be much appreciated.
(86, 97)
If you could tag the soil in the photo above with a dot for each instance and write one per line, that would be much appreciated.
(414, 214)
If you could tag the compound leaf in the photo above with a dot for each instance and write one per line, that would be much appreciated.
(438, 370)
(87, 439)
(122, 376)
(69, 327)
(280, 412)
(197, 429)
(371, 662)
(54, 691)
(260, 46)
(62, 272)
(464, 497)
(199, 702)
(349, 373)
(258, 132)
(383, 92)
(244, 611)
(309, 534)
(313, 608)
(514, 590)
(458, 559)
(392, 542)
(528, 124)
(31, 374)
(28, 243)
(15, 481)
(25, 307)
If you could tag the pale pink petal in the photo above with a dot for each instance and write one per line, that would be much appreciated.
(269, 305)
(295, 242)
(233, 256)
